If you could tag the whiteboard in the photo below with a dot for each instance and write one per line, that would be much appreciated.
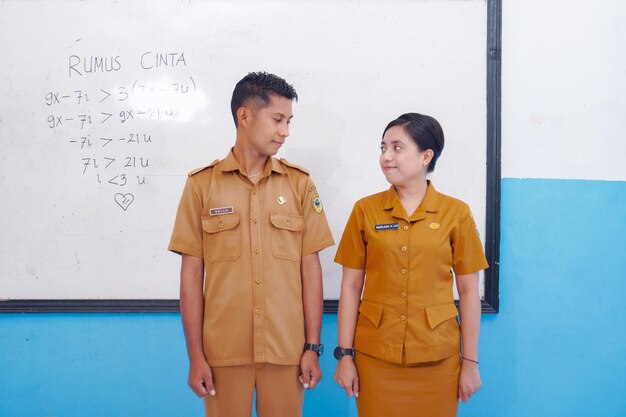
(106, 105)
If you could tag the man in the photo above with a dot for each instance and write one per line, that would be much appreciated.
(249, 229)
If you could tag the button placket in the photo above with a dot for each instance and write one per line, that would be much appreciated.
(404, 248)
(258, 297)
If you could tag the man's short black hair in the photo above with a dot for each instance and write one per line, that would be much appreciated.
(259, 86)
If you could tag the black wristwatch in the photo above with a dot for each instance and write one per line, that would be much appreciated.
(319, 349)
(341, 352)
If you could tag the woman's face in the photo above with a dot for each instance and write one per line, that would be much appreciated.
(400, 159)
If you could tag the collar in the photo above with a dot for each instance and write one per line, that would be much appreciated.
(230, 163)
(430, 203)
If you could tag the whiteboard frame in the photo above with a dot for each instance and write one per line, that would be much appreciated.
(490, 304)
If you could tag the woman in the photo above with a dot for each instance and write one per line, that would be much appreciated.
(408, 241)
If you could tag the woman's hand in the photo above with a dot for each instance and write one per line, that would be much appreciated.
(469, 380)
(346, 376)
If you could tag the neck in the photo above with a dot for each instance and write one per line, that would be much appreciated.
(415, 190)
(250, 162)
(412, 194)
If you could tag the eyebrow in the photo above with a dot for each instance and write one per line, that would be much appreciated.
(393, 142)
(277, 113)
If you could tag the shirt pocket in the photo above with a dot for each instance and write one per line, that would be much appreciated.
(371, 311)
(286, 235)
(440, 313)
(222, 237)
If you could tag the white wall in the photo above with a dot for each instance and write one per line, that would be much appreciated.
(564, 89)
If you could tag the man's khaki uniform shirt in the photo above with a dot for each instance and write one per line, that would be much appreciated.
(252, 239)
(407, 314)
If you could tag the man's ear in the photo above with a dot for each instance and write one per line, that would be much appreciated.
(243, 116)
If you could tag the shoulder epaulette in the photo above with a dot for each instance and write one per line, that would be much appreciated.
(195, 171)
(289, 164)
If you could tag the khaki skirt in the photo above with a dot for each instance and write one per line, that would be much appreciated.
(407, 390)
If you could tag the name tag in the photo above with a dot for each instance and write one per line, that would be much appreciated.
(387, 226)
(221, 210)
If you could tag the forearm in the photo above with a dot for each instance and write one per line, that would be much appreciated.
(312, 297)
(192, 304)
(469, 301)
(348, 311)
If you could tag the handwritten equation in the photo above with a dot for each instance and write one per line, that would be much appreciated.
(111, 131)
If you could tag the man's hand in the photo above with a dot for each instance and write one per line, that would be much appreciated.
(310, 368)
(346, 376)
(201, 378)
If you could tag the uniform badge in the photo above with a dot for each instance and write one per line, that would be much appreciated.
(216, 211)
(312, 188)
(387, 226)
(317, 204)
(281, 200)
(472, 217)
(434, 226)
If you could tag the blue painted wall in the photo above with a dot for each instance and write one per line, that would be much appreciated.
(557, 348)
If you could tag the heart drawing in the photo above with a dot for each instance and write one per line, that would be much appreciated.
(124, 200)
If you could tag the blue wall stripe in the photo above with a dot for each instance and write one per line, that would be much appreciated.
(557, 347)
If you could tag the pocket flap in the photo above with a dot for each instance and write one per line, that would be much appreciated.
(373, 311)
(214, 224)
(437, 314)
(293, 222)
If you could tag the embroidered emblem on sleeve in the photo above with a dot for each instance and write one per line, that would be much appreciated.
(317, 204)
(472, 217)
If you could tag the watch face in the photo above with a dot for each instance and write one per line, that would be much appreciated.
(338, 353)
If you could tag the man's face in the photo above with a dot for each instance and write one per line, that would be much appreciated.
(268, 127)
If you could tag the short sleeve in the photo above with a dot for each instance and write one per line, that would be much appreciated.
(467, 250)
(187, 234)
(351, 252)
(316, 234)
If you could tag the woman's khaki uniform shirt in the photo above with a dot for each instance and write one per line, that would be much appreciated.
(407, 314)
(252, 239)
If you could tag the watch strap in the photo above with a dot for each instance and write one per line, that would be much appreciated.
(315, 348)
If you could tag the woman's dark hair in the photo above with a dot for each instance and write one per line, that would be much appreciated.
(425, 131)
(258, 86)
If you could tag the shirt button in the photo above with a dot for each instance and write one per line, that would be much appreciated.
(254, 192)
(256, 250)
(254, 220)
(403, 317)
(403, 248)
(406, 227)
(220, 225)
(403, 294)
(258, 280)
(258, 311)
(403, 271)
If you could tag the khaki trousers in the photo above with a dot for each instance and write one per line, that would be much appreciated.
(278, 391)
